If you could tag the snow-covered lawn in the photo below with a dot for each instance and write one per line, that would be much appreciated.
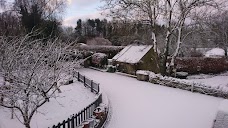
(137, 104)
(74, 98)
(216, 81)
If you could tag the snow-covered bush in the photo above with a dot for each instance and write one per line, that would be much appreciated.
(99, 60)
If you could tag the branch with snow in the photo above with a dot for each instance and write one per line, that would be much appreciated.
(30, 72)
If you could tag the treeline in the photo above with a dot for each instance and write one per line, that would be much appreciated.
(41, 17)
(118, 32)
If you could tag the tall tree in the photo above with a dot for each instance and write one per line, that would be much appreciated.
(177, 13)
(34, 12)
(78, 28)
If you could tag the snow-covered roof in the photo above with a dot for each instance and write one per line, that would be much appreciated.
(215, 52)
(132, 53)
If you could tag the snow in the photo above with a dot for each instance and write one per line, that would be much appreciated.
(138, 104)
(222, 116)
(142, 72)
(99, 55)
(219, 81)
(211, 81)
(74, 98)
(215, 52)
(132, 54)
(224, 106)
(181, 73)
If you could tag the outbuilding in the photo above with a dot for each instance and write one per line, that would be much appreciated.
(136, 57)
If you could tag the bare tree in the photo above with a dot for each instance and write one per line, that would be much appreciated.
(9, 24)
(31, 71)
(175, 14)
(216, 24)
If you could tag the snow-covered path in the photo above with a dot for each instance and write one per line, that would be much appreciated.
(137, 104)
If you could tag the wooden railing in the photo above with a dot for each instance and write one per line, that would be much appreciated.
(78, 118)
(94, 87)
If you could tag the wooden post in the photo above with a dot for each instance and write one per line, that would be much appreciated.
(85, 114)
(76, 119)
(78, 76)
(91, 85)
(98, 88)
(64, 122)
(72, 122)
(68, 123)
(192, 88)
(84, 81)
(81, 116)
(58, 126)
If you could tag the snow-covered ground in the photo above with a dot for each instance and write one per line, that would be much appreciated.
(74, 98)
(216, 81)
(137, 104)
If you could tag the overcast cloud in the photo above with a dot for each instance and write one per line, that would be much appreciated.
(81, 9)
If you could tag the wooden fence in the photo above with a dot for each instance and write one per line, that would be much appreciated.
(77, 119)
(94, 87)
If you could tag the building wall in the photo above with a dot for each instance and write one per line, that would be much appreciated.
(148, 62)
(126, 68)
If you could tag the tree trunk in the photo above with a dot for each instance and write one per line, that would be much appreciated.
(165, 55)
(154, 41)
(225, 49)
(172, 66)
(27, 125)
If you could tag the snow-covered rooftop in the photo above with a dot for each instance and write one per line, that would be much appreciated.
(132, 53)
(215, 52)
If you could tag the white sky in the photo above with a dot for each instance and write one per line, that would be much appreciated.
(81, 9)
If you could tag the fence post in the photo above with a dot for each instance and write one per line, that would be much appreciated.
(78, 76)
(58, 126)
(98, 88)
(192, 88)
(91, 85)
(84, 81)
(68, 123)
(81, 116)
(76, 120)
(72, 122)
(84, 113)
(64, 122)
